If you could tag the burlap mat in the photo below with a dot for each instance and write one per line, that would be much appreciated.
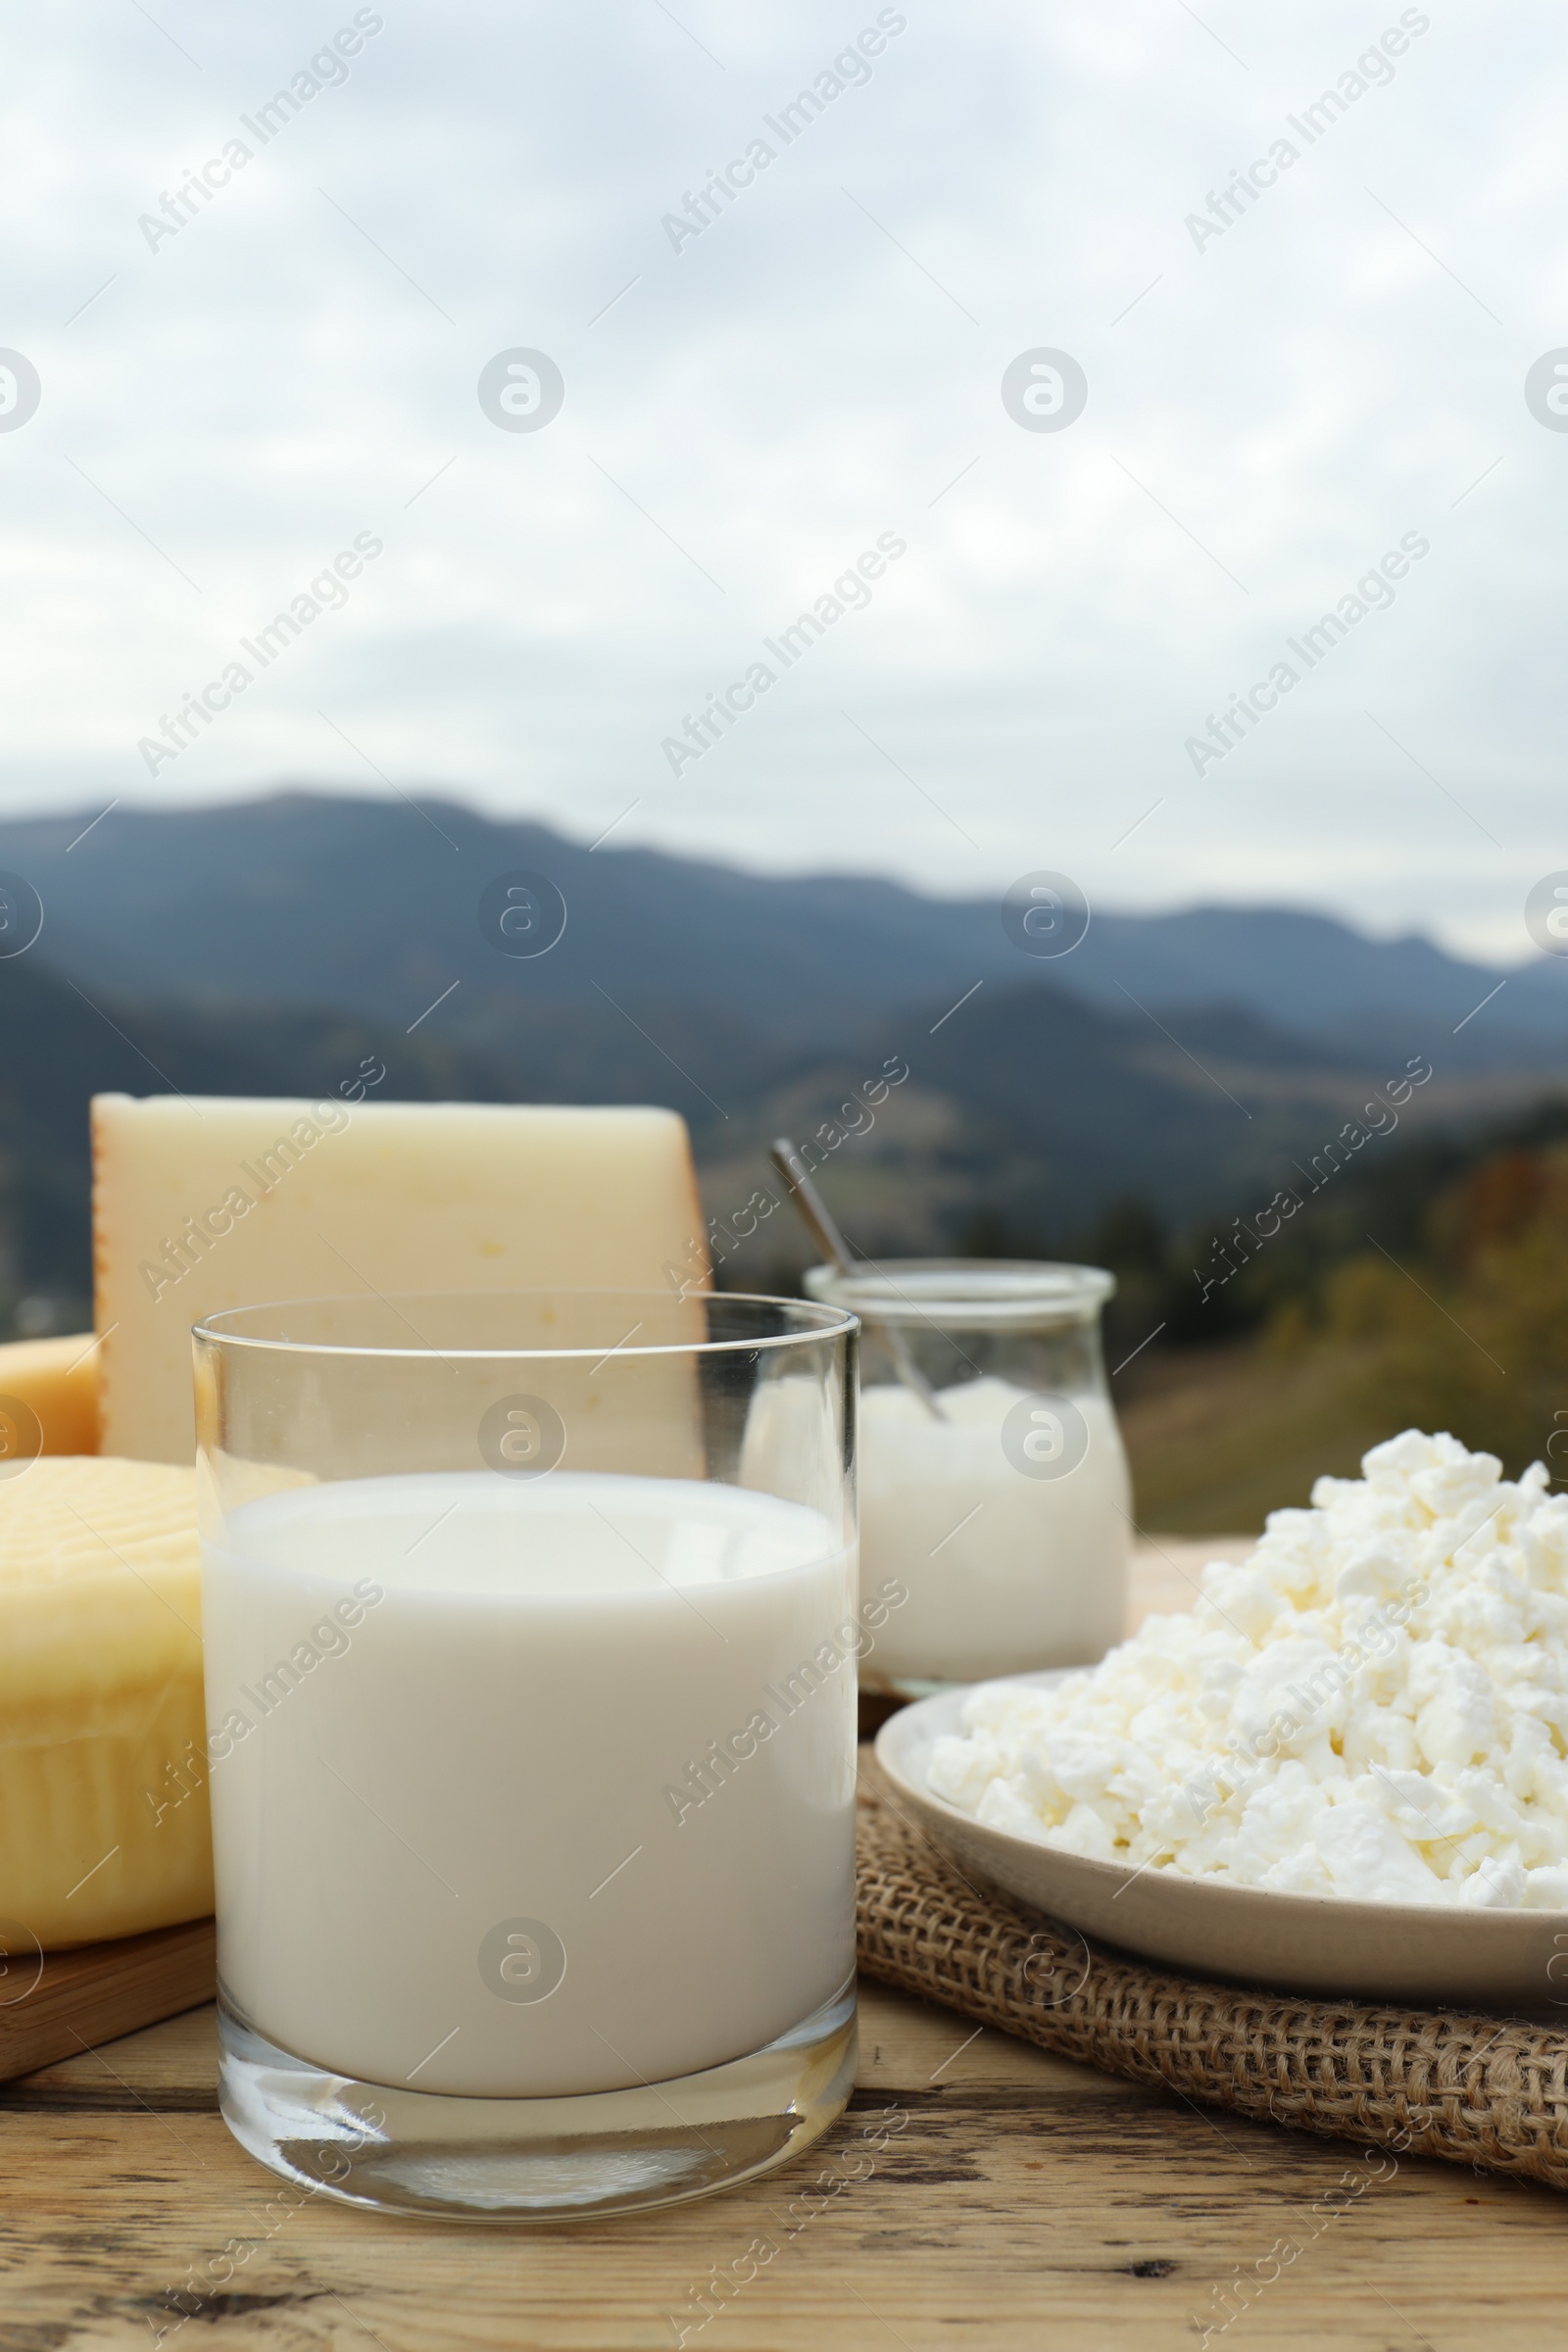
(1429, 2083)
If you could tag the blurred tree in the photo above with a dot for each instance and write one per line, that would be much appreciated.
(1474, 1338)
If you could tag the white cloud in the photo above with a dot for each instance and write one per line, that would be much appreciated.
(1266, 418)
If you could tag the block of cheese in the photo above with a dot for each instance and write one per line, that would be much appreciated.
(48, 1397)
(220, 1203)
(103, 1783)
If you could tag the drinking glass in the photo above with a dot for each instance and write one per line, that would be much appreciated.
(530, 1630)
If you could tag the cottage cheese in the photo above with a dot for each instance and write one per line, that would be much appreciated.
(1374, 1705)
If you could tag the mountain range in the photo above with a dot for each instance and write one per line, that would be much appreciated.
(306, 899)
(1187, 1059)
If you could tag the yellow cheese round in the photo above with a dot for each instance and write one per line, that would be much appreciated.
(103, 1777)
(48, 1397)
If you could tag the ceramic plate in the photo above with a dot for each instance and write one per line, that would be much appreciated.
(1497, 1961)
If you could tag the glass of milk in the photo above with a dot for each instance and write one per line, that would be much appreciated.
(532, 1627)
(1006, 1511)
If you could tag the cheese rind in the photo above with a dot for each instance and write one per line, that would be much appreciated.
(103, 1783)
(55, 1382)
(222, 1202)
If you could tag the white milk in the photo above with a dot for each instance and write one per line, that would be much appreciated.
(506, 1763)
(1036, 1573)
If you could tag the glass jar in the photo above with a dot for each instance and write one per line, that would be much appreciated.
(994, 1488)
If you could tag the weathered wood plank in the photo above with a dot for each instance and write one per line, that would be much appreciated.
(987, 2195)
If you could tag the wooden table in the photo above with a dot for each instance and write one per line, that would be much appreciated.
(977, 2192)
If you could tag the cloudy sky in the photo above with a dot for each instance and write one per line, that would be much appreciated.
(1276, 402)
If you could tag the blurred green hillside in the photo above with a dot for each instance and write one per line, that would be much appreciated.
(1436, 1295)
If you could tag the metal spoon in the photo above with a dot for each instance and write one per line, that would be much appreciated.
(817, 1220)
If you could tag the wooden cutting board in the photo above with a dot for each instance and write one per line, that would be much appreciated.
(58, 2004)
